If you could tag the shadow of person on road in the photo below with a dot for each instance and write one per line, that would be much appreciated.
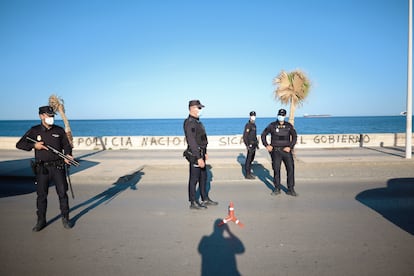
(16, 185)
(123, 183)
(259, 171)
(218, 251)
(209, 177)
(264, 176)
(17, 177)
(241, 159)
(395, 202)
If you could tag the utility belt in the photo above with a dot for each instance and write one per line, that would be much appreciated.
(253, 144)
(192, 158)
(279, 148)
(40, 166)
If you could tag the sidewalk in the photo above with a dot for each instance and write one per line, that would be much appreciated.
(319, 163)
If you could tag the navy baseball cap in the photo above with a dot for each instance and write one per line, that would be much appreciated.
(195, 102)
(282, 112)
(46, 109)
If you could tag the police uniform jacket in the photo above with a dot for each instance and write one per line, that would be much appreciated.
(55, 137)
(196, 136)
(281, 135)
(250, 134)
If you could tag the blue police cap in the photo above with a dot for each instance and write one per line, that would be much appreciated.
(46, 109)
(282, 112)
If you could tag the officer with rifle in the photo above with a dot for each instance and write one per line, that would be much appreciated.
(53, 152)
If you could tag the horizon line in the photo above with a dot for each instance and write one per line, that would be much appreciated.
(236, 117)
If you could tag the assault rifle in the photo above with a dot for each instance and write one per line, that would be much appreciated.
(55, 151)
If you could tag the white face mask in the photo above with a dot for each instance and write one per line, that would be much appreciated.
(49, 120)
(200, 112)
(253, 118)
(281, 118)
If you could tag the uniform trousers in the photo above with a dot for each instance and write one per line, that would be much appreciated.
(278, 155)
(197, 175)
(251, 152)
(57, 176)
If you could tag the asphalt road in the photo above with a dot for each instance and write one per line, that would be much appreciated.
(353, 216)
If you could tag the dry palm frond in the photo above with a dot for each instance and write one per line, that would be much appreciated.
(282, 81)
(56, 103)
(300, 85)
(284, 87)
(291, 88)
(58, 106)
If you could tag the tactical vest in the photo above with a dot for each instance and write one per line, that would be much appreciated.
(201, 136)
(251, 136)
(280, 134)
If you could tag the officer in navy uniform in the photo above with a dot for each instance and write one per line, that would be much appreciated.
(196, 138)
(283, 140)
(48, 167)
(250, 140)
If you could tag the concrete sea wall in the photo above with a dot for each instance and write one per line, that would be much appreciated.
(225, 142)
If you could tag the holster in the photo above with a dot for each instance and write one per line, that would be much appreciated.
(189, 155)
(253, 146)
(34, 166)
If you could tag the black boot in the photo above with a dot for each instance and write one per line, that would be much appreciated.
(249, 176)
(41, 223)
(201, 204)
(66, 222)
(194, 205)
(209, 202)
(291, 192)
(276, 192)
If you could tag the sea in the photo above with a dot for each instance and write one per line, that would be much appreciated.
(214, 126)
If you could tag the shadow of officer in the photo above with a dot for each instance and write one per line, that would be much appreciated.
(264, 176)
(241, 159)
(122, 184)
(218, 252)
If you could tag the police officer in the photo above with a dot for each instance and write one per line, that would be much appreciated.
(196, 137)
(48, 167)
(250, 140)
(283, 140)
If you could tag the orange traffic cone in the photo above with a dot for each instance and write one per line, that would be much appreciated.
(231, 217)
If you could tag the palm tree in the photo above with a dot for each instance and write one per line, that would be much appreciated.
(291, 88)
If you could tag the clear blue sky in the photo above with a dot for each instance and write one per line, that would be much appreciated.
(147, 59)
